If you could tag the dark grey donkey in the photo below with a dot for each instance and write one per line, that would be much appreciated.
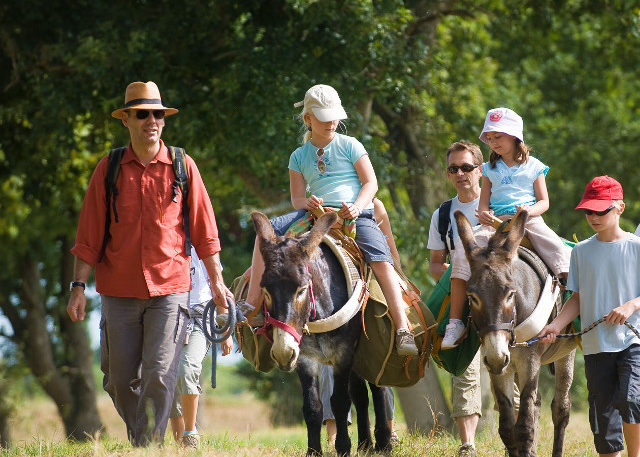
(304, 282)
(503, 290)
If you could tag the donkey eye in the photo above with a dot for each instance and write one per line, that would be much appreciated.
(511, 295)
(267, 298)
(301, 291)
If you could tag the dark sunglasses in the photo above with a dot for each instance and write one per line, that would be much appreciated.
(590, 212)
(466, 168)
(144, 113)
(321, 165)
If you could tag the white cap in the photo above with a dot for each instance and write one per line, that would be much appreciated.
(324, 102)
(502, 120)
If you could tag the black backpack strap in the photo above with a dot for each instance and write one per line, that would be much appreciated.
(115, 157)
(444, 224)
(179, 161)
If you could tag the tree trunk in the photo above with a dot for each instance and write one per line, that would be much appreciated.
(424, 405)
(5, 411)
(63, 368)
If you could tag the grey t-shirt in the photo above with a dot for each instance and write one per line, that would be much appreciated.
(606, 275)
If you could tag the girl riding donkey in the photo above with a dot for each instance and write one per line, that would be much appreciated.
(338, 173)
(512, 180)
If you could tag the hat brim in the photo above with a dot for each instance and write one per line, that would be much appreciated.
(329, 114)
(594, 205)
(167, 111)
(483, 135)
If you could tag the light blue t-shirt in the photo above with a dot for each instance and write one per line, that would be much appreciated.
(606, 275)
(511, 186)
(339, 183)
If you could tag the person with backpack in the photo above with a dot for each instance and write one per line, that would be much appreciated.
(144, 207)
(463, 171)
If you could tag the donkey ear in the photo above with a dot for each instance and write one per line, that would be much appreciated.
(320, 229)
(466, 233)
(264, 230)
(514, 236)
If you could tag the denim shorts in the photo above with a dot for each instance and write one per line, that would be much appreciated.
(613, 381)
(369, 237)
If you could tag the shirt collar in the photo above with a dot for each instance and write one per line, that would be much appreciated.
(162, 156)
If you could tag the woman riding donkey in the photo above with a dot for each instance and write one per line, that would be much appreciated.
(512, 180)
(338, 173)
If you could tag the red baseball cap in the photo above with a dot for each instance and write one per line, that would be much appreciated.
(600, 194)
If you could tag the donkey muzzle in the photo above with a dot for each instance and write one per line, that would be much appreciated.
(496, 350)
(285, 350)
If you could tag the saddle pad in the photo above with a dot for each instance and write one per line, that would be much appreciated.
(351, 272)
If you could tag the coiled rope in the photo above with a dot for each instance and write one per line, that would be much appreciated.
(212, 331)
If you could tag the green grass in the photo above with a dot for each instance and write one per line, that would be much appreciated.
(235, 424)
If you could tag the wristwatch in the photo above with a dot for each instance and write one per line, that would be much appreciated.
(77, 284)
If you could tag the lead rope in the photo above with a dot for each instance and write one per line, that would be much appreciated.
(574, 334)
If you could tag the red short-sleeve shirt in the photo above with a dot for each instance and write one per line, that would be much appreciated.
(145, 256)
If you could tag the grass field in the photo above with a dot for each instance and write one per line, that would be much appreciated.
(234, 423)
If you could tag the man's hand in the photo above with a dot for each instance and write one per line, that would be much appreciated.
(220, 292)
(77, 304)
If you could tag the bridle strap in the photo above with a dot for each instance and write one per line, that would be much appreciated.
(281, 325)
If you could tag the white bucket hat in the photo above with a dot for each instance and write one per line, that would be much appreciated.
(502, 120)
(324, 102)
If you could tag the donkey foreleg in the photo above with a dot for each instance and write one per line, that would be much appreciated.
(528, 417)
(561, 404)
(311, 407)
(503, 393)
(340, 405)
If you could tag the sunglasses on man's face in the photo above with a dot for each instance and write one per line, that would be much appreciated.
(144, 113)
(466, 168)
(590, 212)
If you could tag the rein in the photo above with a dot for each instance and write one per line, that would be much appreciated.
(575, 334)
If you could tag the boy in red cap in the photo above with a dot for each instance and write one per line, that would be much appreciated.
(605, 281)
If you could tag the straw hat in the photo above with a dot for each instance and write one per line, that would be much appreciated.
(141, 95)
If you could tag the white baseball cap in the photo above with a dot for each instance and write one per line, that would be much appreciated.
(502, 120)
(324, 102)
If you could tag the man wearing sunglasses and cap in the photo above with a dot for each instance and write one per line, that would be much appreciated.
(143, 272)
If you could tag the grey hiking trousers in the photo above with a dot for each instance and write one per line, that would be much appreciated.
(140, 344)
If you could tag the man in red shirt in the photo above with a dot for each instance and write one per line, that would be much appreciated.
(144, 276)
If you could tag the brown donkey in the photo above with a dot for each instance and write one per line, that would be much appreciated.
(503, 290)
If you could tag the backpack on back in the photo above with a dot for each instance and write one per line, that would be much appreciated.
(179, 163)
